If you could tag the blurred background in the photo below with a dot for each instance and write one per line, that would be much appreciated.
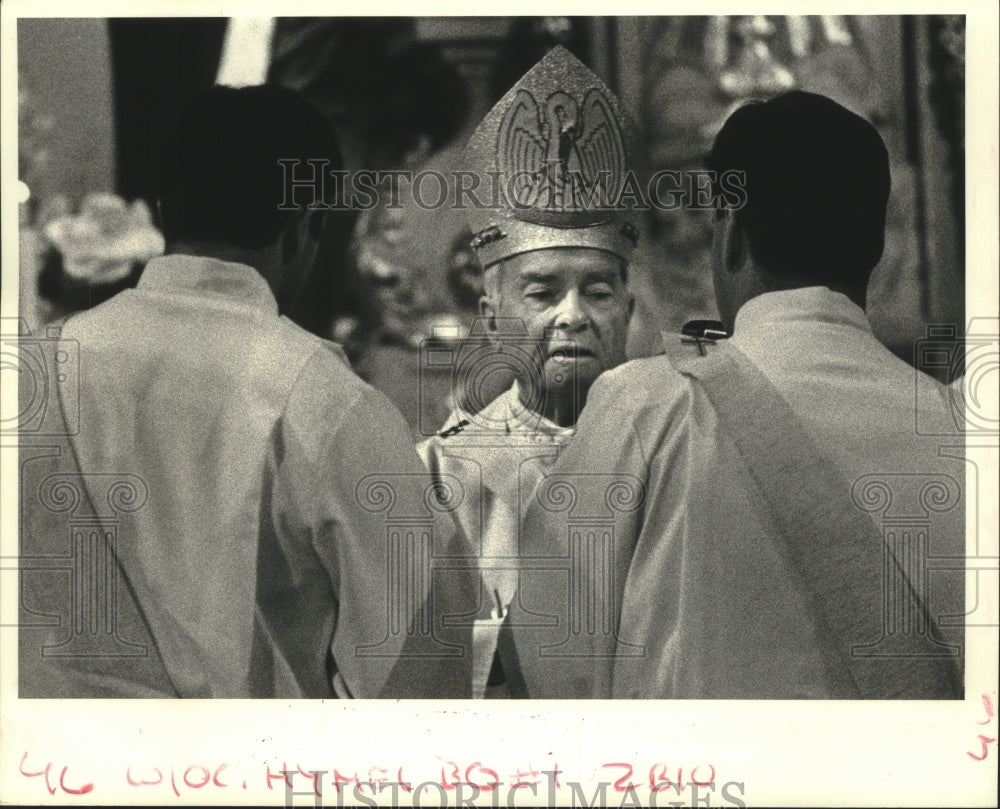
(96, 97)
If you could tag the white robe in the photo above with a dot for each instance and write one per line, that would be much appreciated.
(249, 538)
(699, 600)
(496, 456)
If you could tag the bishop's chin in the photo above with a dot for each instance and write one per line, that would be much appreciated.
(563, 377)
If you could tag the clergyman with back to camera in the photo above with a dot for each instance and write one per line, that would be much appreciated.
(794, 531)
(247, 561)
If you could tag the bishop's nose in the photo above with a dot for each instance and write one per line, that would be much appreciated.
(570, 314)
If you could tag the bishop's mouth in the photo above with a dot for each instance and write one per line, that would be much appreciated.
(570, 352)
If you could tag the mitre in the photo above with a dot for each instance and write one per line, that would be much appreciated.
(553, 158)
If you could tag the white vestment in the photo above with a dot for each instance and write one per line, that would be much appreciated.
(240, 474)
(496, 456)
(692, 594)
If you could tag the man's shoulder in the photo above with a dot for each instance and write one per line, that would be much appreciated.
(462, 427)
(663, 373)
(102, 323)
(326, 395)
(454, 425)
(640, 382)
(493, 419)
(433, 449)
(453, 429)
(323, 354)
(649, 396)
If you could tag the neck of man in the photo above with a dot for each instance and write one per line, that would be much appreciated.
(263, 259)
(562, 409)
(757, 282)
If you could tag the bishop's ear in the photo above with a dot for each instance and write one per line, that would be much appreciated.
(488, 313)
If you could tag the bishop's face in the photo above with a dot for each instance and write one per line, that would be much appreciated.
(575, 308)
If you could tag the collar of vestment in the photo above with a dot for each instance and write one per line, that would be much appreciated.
(790, 314)
(523, 419)
(204, 277)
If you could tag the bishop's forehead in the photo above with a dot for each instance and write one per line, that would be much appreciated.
(555, 151)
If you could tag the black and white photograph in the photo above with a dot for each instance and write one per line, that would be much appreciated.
(561, 410)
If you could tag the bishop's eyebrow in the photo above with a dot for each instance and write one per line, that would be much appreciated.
(605, 274)
(536, 277)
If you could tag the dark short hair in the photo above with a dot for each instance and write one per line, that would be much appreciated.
(220, 179)
(817, 186)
